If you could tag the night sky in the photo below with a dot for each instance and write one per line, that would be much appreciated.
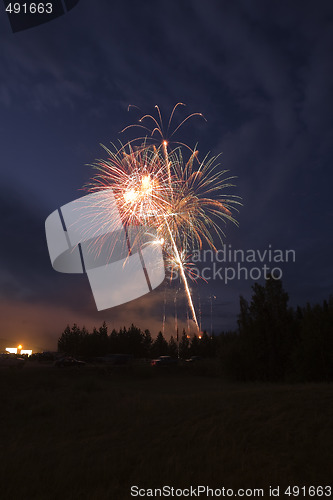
(262, 75)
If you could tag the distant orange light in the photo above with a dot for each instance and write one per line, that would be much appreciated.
(165, 143)
(19, 346)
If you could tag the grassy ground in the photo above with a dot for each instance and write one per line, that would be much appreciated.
(87, 434)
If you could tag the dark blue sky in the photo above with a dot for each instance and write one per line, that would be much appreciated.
(261, 73)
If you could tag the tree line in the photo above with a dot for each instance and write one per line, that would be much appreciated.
(276, 343)
(272, 343)
(75, 341)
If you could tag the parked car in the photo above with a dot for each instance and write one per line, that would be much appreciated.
(193, 359)
(164, 361)
(69, 361)
(12, 360)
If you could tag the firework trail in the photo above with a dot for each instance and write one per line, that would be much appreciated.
(154, 187)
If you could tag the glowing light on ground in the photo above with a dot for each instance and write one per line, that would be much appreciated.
(18, 350)
(28, 352)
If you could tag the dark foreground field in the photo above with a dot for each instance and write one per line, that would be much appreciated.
(90, 434)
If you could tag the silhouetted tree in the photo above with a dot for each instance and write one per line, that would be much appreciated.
(122, 340)
(113, 347)
(265, 331)
(172, 348)
(195, 346)
(135, 341)
(103, 338)
(71, 340)
(64, 339)
(160, 346)
(147, 342)
(184, 346)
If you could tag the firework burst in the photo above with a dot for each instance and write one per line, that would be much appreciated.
(182, 201)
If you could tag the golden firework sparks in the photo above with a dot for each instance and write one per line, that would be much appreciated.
(183, 201)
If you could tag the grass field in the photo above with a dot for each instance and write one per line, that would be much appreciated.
(90, 434)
